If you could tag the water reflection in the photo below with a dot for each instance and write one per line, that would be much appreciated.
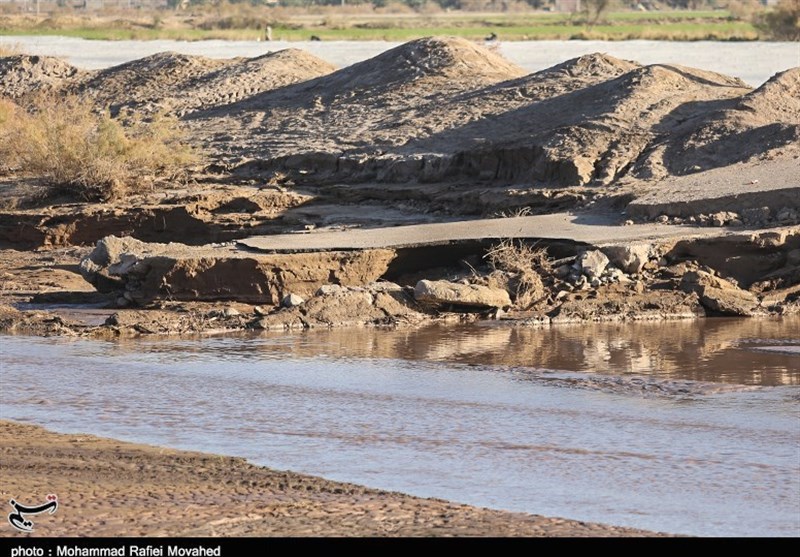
(735, 351)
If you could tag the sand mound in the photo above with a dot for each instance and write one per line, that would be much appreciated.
(24, 74)
(381, 102)
(180, 83)
(586, 121)
(435, 59)
(764, 123)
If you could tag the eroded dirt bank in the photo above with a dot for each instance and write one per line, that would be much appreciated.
(124, 489)
(434, 131)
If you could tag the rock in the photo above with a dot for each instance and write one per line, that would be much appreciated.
(616, 275)
(719, 295)
(793, 257)
(260, 311)
(595, 282)
(756, 215)
(786, 215)
(723, 218)
(383, 286)
(592, 263)
(728, 301)
(145, 272)
(292, 300)
(629, 258)
(562, 271)
(330, 290)
(231, 312)
(465, 295)
(122, 302)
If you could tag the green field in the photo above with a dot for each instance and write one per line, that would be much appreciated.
(672, 25)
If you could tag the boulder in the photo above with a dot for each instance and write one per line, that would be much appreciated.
(592, 263)
(719, 295)
(630, 258)
(143, 272)
(464, 295)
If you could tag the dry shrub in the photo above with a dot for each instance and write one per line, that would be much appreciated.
(521, 267)
(67, 145)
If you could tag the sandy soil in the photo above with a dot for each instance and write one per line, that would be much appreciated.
(431, 132)
(110, 488)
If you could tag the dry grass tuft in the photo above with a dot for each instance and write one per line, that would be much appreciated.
(521, 267)
(67, 145)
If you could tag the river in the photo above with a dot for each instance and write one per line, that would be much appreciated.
(685, 427)
(753, 62)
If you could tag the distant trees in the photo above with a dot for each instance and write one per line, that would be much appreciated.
(782, 23)
(594, 10)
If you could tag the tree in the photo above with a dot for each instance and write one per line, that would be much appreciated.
(594, 9)
(782, 23)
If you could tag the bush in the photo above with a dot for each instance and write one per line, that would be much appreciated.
(68, 146)
(782, 23)
(521, 266)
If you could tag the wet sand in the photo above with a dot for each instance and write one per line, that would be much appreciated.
(110, 488)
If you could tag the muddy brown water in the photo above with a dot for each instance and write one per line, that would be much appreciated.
(685, 427)
(753, 62)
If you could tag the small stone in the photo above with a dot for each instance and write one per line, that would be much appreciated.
(595, 282)
(230, 312)
(735, 222)
(260, 311)
(592, 263)
(786, 215)
(330, 290)
(562, 271)
(123, 302)
(628, 223)
(292, 300)
(756, 215)
(662, 219)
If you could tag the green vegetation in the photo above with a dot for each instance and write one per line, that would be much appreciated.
(249, 23)
(66, 145)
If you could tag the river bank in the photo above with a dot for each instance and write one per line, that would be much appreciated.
(406, 189)
(110, 488)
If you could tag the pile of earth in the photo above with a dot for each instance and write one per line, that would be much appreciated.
(444, 110)
(170, 82)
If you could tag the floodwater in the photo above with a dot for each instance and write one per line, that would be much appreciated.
(684, 427)
(753, 62)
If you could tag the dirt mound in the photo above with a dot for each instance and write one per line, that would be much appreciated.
(381, 102)
(437, 59)
(180, 83)
(764, 123)
(420, 65)
(586, 121)
(24, 74)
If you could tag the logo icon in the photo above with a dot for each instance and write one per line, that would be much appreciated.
(17, 518)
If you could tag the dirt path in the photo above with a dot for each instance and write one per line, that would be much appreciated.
(592, 229)
(110, 488)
